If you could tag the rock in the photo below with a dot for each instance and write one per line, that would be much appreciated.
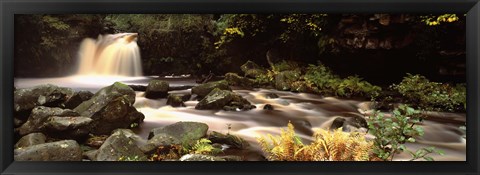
(252, 69)
(337, 123)
(104, 97)
(118, 113)
(231, 158)
(119, 146)
(180, 131)
(226, 100)
(200, 157)
(234, 141)
(236, 80)
(271, 96)
(268, 107)
(65, 150)
(90, 155)
(284, 80)
(39, 117)
(17, 122)
(156, 89)
(78, 98)
(349, 123)
(68, 127)
(204, 89)
(299, 86)
(160, 139)
(43, 95)
(30, 140)
(96, 141)
(216, 99)
(175, 101)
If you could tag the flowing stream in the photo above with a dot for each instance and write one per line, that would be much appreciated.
(306, 111)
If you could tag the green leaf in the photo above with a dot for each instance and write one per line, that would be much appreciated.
(428, 158)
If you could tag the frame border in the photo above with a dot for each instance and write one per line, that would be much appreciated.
(8, 8)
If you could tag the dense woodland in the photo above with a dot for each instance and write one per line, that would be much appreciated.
(350, 44)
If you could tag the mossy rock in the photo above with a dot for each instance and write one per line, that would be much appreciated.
(203, 89)
(252, 70)
(285, 79)
(216, 99)
(236, 80)
(175, 100)
(182, 131)
(24, 100)
(157, 89)
(119, 146)
(232, 140)
(65, 150)
(30, 140)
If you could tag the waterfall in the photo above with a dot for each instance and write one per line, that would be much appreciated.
(111, 55)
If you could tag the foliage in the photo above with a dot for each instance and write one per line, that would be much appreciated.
(421, 92)
(327, 146)
(166, 152)
(325, 82)
(391, 133)
(202, 146)
(433, 20)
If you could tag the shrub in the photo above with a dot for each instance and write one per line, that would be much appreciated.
(325, 82)
(420, 92)
(327, 146)
(391, 133)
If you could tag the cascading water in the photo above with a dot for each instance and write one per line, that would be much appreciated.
(110, 55)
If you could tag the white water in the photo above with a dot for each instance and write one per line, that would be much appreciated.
(117, 55)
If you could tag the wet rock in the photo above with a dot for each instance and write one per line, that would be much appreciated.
(119, 146)
(156, 89)
(338, 123)
(284, 80)
(39, 117)
(232, 140)
(271, 95)
(78, 98)
(96, 141)
(118, 113)
(200, 157)
(104, 97)
(30, 140)
(216, 99)
(204, 89)
(236, 80)
(231, 158)
(160, 139)
(138, 87)
(175, 100)
(43, 95)
(268, 107)
(66, 150)
(90, 155)
(181, 131)
(238, 103)
(252, 69)
(350, 123)
(68, 127)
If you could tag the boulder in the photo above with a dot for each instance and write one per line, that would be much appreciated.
(118, 113)
(271, 96)
(216, 99)
(65, 150)
(119, 146)
(200, 157)
(232, 140)
(78, 98)
(156, 89)
(90, 155)
(30, 140)
(160, 139)
(285, 79)
(231, 158)
(252, 69)
(39, 117)
(349, 123)
(204, 89)
(268, 107)
(68, 127)
(25, 100)
(179, 132)
(236, 80)
(175, 100)
(104, 97)
(238, 103)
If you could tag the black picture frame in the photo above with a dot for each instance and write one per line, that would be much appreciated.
(8, 8)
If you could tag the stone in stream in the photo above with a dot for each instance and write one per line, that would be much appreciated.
(271, 96)
(349, 123)
(268, 107)
(223, 99)
(236, 80)
(156, 89)
(76, 128)
(175, 100)
(204, 89)
(232, 140)
(119, 146)
(200, 157)
(65, 150)
(78, 98)
(111, 108)
(30, 140)
(24, 100)
(39, 117)
(252, 70)
(181, 131)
